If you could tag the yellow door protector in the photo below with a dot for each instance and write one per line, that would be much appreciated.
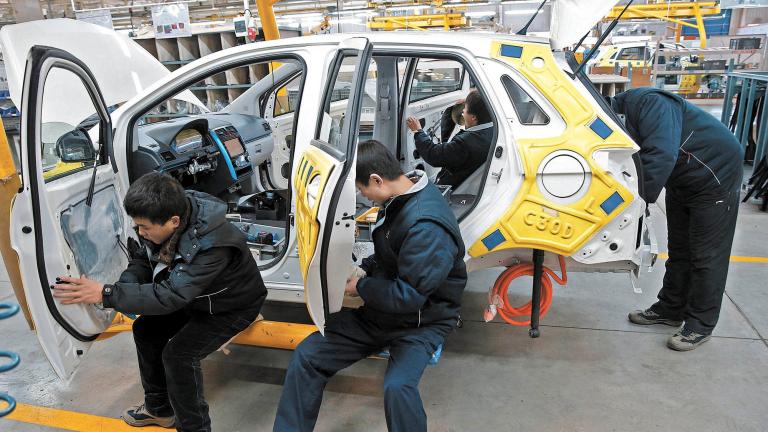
(535, 220)
(315, 167)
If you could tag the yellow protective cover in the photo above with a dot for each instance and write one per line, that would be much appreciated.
(532, 221)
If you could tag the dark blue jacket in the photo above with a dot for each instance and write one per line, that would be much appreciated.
(213, 272)
(459, 157)
(682, 147)
(417, 275)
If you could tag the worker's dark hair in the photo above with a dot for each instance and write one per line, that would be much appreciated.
(374, 158)
(476, 106)
(157, 197)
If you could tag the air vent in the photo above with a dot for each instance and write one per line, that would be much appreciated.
(168, 156)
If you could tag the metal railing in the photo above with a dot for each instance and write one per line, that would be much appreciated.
(750, 86)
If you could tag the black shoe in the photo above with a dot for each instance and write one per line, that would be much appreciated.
(649, 317)
(139, 416)
(686, 340)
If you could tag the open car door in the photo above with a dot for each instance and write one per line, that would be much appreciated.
(324, 184)
(67, 219)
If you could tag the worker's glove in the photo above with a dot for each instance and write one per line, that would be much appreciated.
(135, 249)
(356, 272)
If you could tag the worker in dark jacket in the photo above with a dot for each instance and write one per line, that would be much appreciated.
(698, 160)
(412, 291)
(466, 152)
(196, 285)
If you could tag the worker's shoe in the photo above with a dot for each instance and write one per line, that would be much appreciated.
(139, 416)
(686, 340)
(649, 317)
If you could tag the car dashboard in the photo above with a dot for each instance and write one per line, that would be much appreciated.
(213, 153)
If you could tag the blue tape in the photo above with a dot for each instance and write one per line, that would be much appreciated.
(511, 51)
(494, 239)
(610, 204)
(600, 128)
(225, 154)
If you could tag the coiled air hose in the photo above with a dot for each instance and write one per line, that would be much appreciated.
(6, 311)
(498, 298)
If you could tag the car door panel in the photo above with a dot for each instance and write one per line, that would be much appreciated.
(51, 222)
(325, 191)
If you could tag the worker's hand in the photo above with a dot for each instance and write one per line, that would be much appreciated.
(77, 290)
(351, 288)
(413, 123)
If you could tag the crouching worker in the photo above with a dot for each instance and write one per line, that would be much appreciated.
(194, 283)
(412, 292)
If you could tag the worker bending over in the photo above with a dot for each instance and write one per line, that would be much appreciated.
(412, 292)
(466, 152)
(195, 284)
(699, 162)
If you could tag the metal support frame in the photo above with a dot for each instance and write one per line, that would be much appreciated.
(538, 271)
(748, 84)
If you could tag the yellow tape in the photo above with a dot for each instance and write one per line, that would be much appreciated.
(734, 258)
(69, 420)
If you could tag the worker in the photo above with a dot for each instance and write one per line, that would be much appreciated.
(411, 290)
(195, 284)
(698, 160)
(468, 149)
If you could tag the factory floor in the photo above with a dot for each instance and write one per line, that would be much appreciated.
(590, 370)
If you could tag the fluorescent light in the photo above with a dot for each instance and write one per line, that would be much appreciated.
(347, 21)
(522, 12)
(478, 14)
(406, 8)
(536, 2)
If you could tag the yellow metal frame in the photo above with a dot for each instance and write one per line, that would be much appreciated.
(532, 221)
(418, 22)
(262, 333)
(672, 12)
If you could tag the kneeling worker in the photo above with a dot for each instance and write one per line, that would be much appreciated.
(468, 149)
(412, 293)
(206, 288)
(699, 161)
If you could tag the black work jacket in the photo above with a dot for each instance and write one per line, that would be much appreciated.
(682, 147)
(213, 272)
(459, 157)
(417, 275)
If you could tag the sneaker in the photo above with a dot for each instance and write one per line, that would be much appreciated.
(139, 416)
(649, 317)
(686, 340)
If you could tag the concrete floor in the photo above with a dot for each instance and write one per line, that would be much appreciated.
(590, 371)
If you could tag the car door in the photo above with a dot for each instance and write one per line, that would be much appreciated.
(324, 183)
(70, 222)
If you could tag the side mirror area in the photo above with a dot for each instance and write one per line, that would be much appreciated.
(75, 146)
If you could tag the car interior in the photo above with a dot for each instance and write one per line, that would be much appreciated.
(240, 150)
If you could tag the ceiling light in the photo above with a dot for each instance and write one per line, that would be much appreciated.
(479, 14)
(522, 12)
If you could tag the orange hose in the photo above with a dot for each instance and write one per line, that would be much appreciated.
(500, 290)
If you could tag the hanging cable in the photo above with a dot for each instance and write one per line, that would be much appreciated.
(8, 310)
(498, 296)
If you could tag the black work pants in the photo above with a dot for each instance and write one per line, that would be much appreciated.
(700, 234)
(170, 348)
(349, 338)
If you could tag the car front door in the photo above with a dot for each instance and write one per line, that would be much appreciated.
(67, 220)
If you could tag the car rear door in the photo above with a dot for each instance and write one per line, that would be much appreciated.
(324, 183)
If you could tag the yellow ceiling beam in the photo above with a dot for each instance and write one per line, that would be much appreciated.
(665, 10)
